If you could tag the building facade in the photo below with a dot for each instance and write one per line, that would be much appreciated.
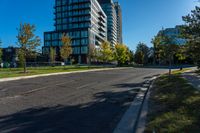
(109, 9)
(174, 34)
(119, 22)
(10, 56)
(84, 21)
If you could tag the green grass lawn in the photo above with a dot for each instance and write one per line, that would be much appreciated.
(16, 72)
(174, 106)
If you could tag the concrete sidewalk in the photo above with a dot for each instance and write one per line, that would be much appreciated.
(59, 73)
(193, 78)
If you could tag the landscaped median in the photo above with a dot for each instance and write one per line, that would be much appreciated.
(18, 72)
(174, 106)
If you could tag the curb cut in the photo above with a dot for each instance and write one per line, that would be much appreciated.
(130, 120)
(55, 74)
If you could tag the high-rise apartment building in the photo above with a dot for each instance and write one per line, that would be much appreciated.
(85, 23)
(109, 9)
(119, 22)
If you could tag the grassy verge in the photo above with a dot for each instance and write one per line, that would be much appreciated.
(16, 72)
(174, 106)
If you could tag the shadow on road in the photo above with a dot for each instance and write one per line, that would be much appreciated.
(129, 85)
(99, 116)
(149, 77)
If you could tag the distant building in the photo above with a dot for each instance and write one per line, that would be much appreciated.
(110, 10)
(119, 22)
(10, 56)
(174, 34)
(84, 21)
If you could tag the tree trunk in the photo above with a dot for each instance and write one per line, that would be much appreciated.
(170, 68)
(181, 66)
(25, 70)
(89, 63)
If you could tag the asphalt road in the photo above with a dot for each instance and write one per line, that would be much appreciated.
(92, 102)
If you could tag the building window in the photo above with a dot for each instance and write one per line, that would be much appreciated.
(54, 36)
(84, 41)
(76, 50)
(54, 43)
(48, 43)
(47, 36)
(84, 50)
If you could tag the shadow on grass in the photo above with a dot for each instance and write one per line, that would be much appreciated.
(99, 116)
(174, 107)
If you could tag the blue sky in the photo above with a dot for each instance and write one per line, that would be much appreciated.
(142, 19)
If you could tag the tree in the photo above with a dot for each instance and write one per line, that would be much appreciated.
(156, 41)
(92, 53)
(151, 59)
(52, 55)
(191, 31)
(181, 54)
(105, 52)
(27, 41)
(66, 49)
(139, 57)
(167, 49)
(131, 56)
(1, 53)
(21, 58)
(121, 54)
(142, 53)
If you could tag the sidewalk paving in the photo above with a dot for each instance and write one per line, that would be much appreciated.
(59, 73)
(193, 78)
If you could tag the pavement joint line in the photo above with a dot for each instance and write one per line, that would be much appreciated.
(10, 97)
(129, 121)
(59, 73)
(31, 91)
(42, 88)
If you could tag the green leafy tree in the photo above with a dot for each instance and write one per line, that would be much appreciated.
(27, 41)
(66, 49)
(191, 31)
(131, 56)
(52, 55)
(142, 53)
(139, 57)
(21, 58)
(156, 41)
(121, 54)
(168, 49)
(105, 52)
(181, 54)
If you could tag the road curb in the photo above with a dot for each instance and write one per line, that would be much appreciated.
(55, 74)
(130, 120)
(141, 125)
